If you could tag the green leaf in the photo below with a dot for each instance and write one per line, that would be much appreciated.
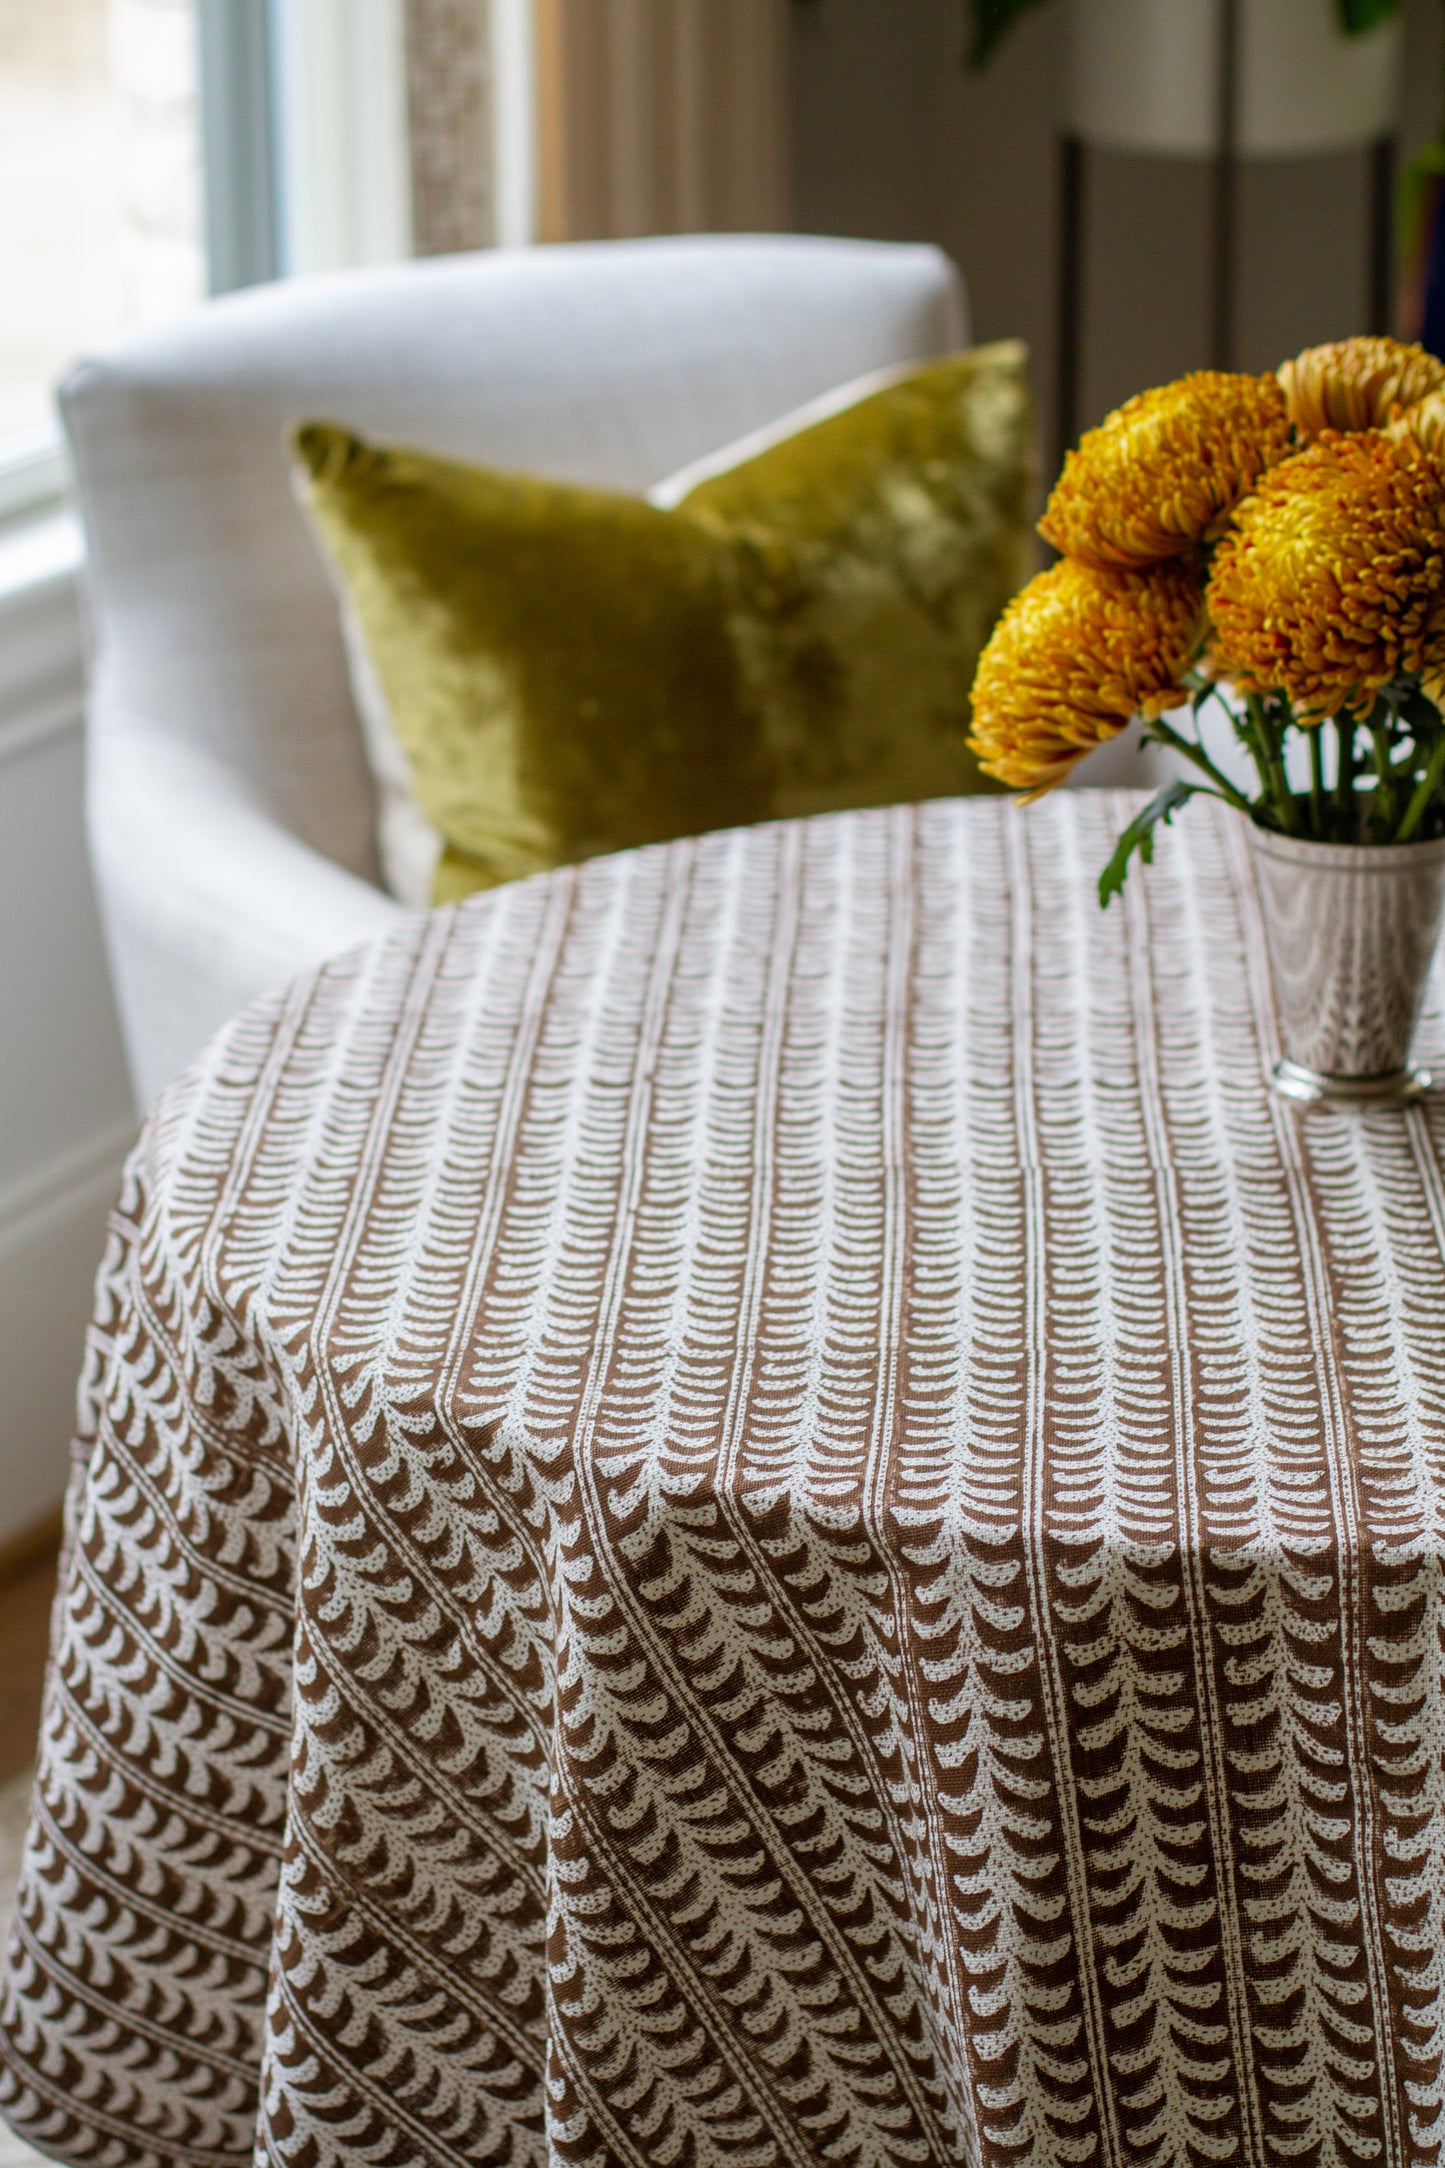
(1357, 16)
(991, 21)
(1139, 835)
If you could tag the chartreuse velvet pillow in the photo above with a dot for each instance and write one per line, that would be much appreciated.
(549, 671)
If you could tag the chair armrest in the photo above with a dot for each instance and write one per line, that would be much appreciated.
(207, 901)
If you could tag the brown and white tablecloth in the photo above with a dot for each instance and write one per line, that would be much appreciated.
(753, 1505)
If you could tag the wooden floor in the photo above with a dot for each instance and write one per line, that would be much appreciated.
(25, 1600)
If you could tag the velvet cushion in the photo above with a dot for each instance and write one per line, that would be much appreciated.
(568, 670)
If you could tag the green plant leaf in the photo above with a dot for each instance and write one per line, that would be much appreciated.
(990, 22)
(1139, 835)
(1358, 16)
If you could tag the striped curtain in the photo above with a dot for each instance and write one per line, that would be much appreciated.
(661, 116)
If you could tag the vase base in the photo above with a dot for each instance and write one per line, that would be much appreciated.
(1313, 1087)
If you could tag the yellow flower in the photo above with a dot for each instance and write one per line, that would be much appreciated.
(1073, 659)
(1356, 383)
(1425, 423)
(1164, 471)
(1333, 580)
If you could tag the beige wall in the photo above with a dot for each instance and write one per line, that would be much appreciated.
(891, 137)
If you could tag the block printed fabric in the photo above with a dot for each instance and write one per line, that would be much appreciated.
(752, 1504)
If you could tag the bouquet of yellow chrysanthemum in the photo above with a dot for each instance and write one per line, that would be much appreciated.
(1272, 544)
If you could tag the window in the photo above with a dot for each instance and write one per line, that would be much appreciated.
(335, 133)
(100, 178)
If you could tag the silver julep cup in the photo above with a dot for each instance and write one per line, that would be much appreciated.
(1351, 931)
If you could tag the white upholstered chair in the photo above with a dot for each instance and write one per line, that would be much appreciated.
(231, 812)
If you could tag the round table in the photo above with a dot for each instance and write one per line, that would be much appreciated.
(752, 1504)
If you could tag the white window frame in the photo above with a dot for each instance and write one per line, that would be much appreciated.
(236, 57)
(339, 79)
(32, 471)
(512, 29)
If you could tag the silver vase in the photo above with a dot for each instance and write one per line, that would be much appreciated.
(1351, 931)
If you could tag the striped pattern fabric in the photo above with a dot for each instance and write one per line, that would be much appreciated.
(753, 1505)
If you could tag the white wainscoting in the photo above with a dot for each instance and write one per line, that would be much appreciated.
(66, 1118)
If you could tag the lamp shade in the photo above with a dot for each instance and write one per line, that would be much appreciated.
(1143, 76)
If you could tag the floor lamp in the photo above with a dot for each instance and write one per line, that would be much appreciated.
(1219, 81)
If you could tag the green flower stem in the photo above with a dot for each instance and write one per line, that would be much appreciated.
(1165, 734)
(1383, 810)
(1317, 781)
(1278, 794)
(1424, 791)
(1345, 777)
(1250, 739)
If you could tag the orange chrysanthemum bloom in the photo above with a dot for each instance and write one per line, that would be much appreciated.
(1356, 383)
(1163, 473)
(1073, 659)
(1333, 579)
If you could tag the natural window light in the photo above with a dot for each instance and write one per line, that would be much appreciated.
(99, 173)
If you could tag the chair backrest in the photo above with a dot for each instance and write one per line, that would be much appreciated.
(611, 362)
